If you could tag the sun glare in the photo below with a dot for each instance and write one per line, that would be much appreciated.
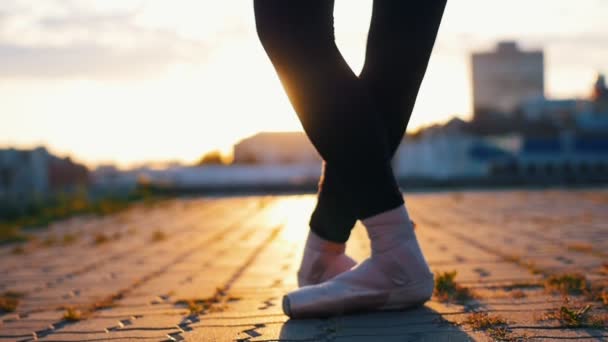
(206, 81)
(296, 211)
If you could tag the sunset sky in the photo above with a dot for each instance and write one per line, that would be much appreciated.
(128, 81)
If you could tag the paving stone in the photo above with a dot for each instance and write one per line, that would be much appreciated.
(214, 334)
(244, 252)
(94, 325)
(496, 273)
(120, 312)
(430, 335)
(126, 335)
(539, 334)
(303, 330)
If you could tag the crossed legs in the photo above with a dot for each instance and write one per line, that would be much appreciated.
(399, 44)
(335, 108)
(356, 124)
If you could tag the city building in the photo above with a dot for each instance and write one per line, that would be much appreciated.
(36, 172)
(569, 156)
(276, 148)
(459, 156)
(599, 93)
(449, 152)
(558, 111)
(110, 177)
(504, 78)
(23, 172)
(593, 114)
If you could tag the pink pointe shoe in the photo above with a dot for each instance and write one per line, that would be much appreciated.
(322, 260)
(326, 271)
(391, 280)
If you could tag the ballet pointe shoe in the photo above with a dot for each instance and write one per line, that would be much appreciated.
(371, 286)
(322, 260)
(325, 269)
(335, 298)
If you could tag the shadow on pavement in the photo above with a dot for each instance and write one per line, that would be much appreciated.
(419, 324)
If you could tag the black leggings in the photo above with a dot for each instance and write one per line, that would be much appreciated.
(355, 123)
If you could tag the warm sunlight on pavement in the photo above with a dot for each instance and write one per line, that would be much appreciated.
(216, 269)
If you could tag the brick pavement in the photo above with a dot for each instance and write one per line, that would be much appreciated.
(531, 265)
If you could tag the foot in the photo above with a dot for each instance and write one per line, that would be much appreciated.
(322, 260)
(390, 281)
(326, 267)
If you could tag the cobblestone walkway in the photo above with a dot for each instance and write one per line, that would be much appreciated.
(529, 265)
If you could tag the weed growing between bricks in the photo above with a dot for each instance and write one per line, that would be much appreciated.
(11, 233)
(577, 316)
(158, 236)
(69, 239)
(483, 321)
(49, 241)
(565, 283)
(569, 283)
(39, 214)
(447, 290)
(9, 301)
(18, 250)
(100, 239)
(205, 305)
(73, 315)
(577, 284)
(495, 326)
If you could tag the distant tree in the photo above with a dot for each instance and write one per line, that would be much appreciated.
(211, 158)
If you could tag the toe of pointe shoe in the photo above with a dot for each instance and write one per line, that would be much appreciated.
(287, 306)
(331, 299)
(334, 298)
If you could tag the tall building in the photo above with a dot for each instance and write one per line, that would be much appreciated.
(506, 77)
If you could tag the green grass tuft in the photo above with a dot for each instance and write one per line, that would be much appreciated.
(69, 239)
(483, 321)
(494, 325)
(9, 301)
(570, 316)
(100, 239)
(569, 283)
(446, 288)
(72, 315)
(158, 236)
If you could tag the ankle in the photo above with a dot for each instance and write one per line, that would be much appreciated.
(389, 229)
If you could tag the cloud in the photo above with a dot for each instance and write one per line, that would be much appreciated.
(90, 60)
(75, 42)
